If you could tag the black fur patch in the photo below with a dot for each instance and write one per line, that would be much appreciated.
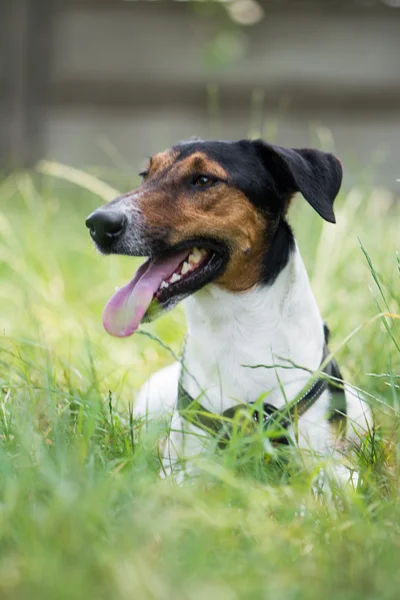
(277, 256)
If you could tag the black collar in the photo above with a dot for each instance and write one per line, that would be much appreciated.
(277, 420)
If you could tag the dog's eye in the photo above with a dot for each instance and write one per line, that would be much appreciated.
(203, 181)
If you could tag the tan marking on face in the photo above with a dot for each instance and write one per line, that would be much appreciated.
(161, 161)
(219, 212)
(200, 163)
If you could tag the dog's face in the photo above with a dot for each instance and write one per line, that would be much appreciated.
(208, 212)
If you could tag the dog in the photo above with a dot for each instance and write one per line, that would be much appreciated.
(212, 218)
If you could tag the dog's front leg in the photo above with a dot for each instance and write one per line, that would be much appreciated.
(172, 463)
(184, 444)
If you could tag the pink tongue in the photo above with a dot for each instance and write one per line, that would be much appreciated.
(127, 307)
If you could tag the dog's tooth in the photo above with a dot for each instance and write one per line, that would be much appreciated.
(195, 256)
(185, 268)
(163, 285)
(175, 277)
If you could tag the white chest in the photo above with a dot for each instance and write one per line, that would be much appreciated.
(273, 329)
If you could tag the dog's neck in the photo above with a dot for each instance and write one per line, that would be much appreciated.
(273, 325)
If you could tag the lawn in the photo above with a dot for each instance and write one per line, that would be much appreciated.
(83, 513)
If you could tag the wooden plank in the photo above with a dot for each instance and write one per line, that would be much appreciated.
(4, 10)
(17, 97)
(269, 5)
(145, 94)
(40, 47)
(292, 51)
(26, 75)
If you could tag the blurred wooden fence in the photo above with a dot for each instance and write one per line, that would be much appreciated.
(109, 81)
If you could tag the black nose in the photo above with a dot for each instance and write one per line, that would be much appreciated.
(105, 224)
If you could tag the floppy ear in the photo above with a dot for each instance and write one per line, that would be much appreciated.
(316, 175)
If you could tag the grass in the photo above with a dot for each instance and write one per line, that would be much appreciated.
(83, 513)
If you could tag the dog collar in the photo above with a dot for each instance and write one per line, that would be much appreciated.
(275, 420)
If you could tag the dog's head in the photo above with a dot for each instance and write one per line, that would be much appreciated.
(208, 212)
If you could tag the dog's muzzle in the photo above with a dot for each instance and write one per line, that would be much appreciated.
(118, 228)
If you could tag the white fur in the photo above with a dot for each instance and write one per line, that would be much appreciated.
(268, 325)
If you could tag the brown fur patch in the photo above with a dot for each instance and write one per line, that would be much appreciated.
(220, 212)
(160, 162)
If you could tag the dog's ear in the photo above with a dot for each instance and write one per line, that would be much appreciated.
(316, 175)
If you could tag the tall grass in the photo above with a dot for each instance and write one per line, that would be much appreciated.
(83, 513)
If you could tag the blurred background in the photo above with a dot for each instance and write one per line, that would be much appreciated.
(107, 82)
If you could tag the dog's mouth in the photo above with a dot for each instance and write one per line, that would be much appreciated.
(159, 284)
